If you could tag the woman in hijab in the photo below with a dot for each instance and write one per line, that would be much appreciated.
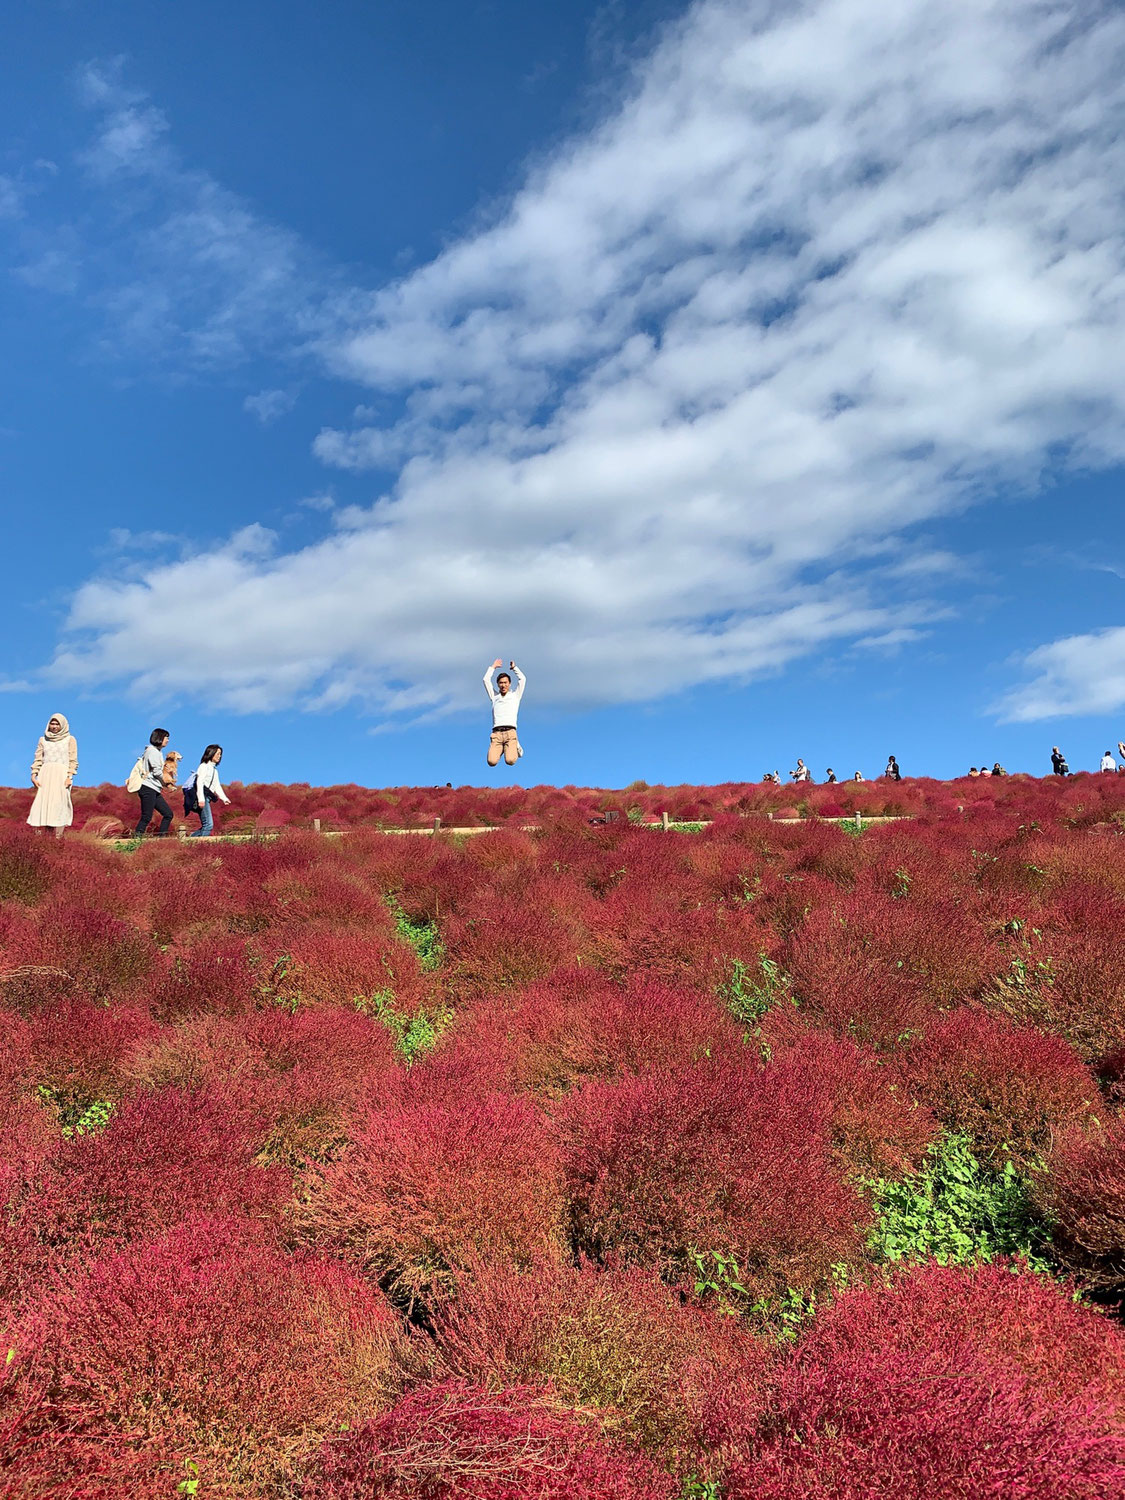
(52, 775)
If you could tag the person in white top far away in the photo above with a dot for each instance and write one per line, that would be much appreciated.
(1108, 762)
(505, 700)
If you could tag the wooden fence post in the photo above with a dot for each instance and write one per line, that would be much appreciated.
(437, 823)
(664, 820)
(316, 825)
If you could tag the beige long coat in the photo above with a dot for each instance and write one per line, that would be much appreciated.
(54, 761)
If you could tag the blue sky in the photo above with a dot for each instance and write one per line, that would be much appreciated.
(754, 374)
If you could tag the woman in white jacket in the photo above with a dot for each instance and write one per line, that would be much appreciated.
(207, 788)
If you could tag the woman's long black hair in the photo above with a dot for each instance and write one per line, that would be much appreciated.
(156, 736)
(209, 753)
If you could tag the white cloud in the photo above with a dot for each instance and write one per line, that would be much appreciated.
(268, 405)
(1079, 674)
(829, 270)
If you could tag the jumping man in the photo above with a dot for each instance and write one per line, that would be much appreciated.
(505, 700)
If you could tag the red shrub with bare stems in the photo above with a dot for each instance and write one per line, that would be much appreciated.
(428, 1185)
(716, 1157)
(80, 950)
(207, 1344)
(1083, 1195)
(615, 1341)
(454, 1441)
(1011, 1088)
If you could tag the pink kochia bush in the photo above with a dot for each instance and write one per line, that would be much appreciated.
(722, 1157)
(947, 1383)
(205, 1344)
(454, 1441)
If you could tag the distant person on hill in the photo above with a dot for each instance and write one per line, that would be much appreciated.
(151, 789)
(1108, 762)
(52, 775)
(1058, 762)
(892, 773)
(859, 776)
(1121, 754)
(984, 771)
(831, 777)
(998, 770)
(772, 778)
(505, 700)
(202, 788)
(802, 772)
(973, 772)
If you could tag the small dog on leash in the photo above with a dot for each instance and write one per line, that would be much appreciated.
(171, 769)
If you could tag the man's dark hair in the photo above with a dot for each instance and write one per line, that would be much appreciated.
(503, 676)
(157, 738)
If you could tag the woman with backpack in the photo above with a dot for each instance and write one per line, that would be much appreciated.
(148, 773)
(203, 788)
(52, 775)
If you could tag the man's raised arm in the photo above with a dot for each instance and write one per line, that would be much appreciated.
(488, 671)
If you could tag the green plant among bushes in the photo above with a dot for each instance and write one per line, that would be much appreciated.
(421, 935)
(956, 1210)
(752, 991)
(77, 1114)
(413, 1034)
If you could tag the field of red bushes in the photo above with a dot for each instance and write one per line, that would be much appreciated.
(780, 1159)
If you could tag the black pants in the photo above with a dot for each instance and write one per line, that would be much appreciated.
(152, 801)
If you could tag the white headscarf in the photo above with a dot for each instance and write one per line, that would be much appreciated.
(59, 734)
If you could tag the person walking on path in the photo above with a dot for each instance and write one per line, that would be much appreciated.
(505, 700)
(892, 773)
(1108, 762)
(151, 791)
(52, 775)
(802, 773)
(204, 787)
(1058, 762)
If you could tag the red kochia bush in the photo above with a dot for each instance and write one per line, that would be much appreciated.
(930, 1389)
(162, 1158)
(458, 1442)
(1006, 1314)
(305, 1072)
(616, 1341)
(876, 1128)
(206, 1344)
(428, 1185)
(1007, 1086)
(719, 1156)
(577, 1025)
(1083, 1194)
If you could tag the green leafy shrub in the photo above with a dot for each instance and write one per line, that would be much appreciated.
(752, 991)
(956, 1210)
